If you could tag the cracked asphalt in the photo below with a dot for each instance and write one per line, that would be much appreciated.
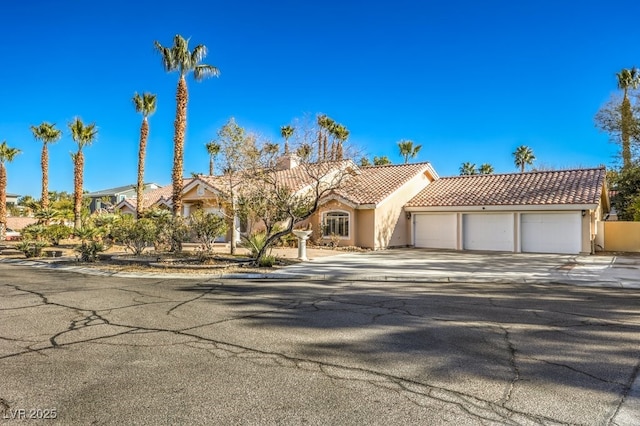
(112, 350)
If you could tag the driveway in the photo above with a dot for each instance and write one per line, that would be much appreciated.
(112, 350)
(441, 265)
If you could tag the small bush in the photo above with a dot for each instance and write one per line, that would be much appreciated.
(31, 248)
(134, 234)
(57, 232)
(89, 250)
(207, 227)
(254, 242)
(267, 261)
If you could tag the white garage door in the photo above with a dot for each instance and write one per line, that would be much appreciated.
(551, 232)
(435, 230)
(487, 231)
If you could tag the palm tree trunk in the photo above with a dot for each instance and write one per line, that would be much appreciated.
(626, 119)
(3, 202)
(180, 125)
(77, 189)
(44, 163)
(211, 165)
(144, 134)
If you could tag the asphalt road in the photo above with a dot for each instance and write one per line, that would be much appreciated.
(108, 350)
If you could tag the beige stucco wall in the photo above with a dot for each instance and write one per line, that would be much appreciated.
(391, 227)
(622, 236)
(365, 224)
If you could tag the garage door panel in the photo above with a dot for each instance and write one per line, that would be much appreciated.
(435, 230)
(488, 231)
(551, 232)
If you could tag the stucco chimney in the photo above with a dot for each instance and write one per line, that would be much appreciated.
(287, 162)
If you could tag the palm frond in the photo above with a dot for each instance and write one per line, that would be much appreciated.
(166, 54)
(200, 72)
(7, 154)
(198, 54)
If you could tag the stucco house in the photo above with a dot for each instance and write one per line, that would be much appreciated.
(106, 198)
(404, 205)
(537, 212)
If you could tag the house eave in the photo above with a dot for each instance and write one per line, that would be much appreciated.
(488, 208)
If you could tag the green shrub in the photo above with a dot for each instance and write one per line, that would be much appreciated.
(35, 231)
(267, 261)
(254, 242)
(90, 244)
(89, 250)
(134, 234)
(31, 248)
(207, 227)
(57, 232)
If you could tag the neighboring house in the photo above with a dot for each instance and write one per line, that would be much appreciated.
(537, 212)
(108, 198)
(159, 197)
(12, 199)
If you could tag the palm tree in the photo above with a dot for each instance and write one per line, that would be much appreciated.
(46, 133)
(341, 134)
(7, 155)
(407, 150)
(83, 136)
(213, 149)
(485, 169)
(286, 132)
(325, 123)
(179, 58)
(468, 169)
(523, 155)
(381, 161)
(144, 104)
(627, 79)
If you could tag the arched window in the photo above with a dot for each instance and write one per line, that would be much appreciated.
(336, 224)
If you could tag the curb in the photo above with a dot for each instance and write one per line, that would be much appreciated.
(434, 279)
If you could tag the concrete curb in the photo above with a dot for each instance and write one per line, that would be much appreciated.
(412, 278)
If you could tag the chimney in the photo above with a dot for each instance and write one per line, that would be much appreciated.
(287, 162)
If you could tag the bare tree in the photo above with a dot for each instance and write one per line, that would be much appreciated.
(282, 199)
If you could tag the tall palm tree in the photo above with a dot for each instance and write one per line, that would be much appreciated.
(408, 150)
(341, 134)
(7, 154)
(144, 104)
(468, 169)
(179, 58)
(325, 123)
(286, 132)
(522, 156)
(46, 133)
(213, 149)
(627, 79)
(485, 169)
(83, 135)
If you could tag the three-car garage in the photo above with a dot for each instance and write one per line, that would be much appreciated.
(555, 211)
(528, 232)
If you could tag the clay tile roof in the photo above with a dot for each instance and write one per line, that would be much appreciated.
(375, 183)
(581, 186)
(152, 197)
(17, 222)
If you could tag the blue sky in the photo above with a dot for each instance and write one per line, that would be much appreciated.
(468, 80)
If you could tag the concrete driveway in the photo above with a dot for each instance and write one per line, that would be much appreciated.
(111, 350)
(441, 265)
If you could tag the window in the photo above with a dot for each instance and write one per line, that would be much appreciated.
(336, 223)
